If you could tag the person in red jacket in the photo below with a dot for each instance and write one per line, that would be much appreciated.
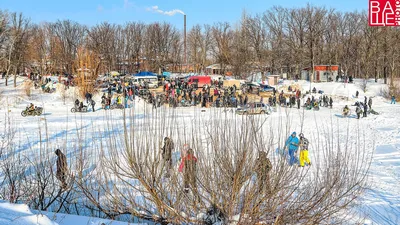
(188, 167)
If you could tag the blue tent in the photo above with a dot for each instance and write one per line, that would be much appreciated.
(145, 73)
(166, 74)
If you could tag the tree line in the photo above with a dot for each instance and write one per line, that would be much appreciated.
(280, 40)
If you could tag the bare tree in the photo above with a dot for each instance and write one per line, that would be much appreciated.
(69, 36)
(296, 37)
(134, 34)
(16, 44)
(315, 28)
(256, 34)
(195, 43)
(225, 154)
(158, 45)
(222, 35)
(102, 41)
(275, 21)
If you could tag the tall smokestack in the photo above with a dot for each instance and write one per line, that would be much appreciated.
(184, 40)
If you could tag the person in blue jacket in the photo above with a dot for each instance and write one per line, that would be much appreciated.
(393, 100)
(292, 143)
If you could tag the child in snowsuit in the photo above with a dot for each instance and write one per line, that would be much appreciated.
(346, 111)
(119, 100)
(304, 151)
(292, 143)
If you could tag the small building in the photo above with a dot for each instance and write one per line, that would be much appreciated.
(216, 69)
(322, 73)
(273, 79)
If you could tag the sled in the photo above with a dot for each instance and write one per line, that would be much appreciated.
(285, 154)
(373, 112)
(280, 152)
(348, 114)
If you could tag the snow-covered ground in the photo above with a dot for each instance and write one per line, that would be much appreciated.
(20, 214)
(379, 205)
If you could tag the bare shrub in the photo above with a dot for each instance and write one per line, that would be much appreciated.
(27, 86)
(12, 166)
(394, 90)
(13, 184)
(123, 174)
(88, 63)
(388, 92)
(363, 85)
(131, 178)
(385, 92)
(48, 192)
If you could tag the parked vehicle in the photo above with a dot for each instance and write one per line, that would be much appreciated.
(151, 81)
(117, 106)
(254, 108)
(199, 81)
(36, 112)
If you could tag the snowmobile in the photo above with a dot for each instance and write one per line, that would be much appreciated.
(78, 109)
(117, 106)
(184, 103)
(307, 106)
(36, 112)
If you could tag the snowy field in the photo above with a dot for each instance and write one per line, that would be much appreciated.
(379, 205)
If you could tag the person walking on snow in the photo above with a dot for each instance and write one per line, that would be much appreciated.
(298, 103)
(330, 102)
(167, 153)
(365, 110)
(370, 103)
(292, 143)
(393, 100)
(263, 167)
(304, 151)
(188, 167)
(358, 112)
(62, 168)
(93, 103)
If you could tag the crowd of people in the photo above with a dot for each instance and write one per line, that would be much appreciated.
(362, 108)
